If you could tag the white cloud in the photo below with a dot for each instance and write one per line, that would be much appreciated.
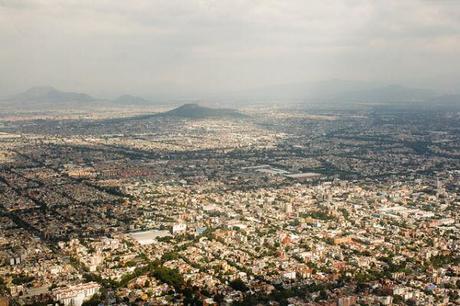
(105, 46)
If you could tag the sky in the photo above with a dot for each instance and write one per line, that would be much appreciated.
(147, 47)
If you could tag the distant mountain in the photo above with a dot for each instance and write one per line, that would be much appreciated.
(445, 101)
(131, 100)
(391, 93)
(334, 91)
(196, 111)
(50, 95)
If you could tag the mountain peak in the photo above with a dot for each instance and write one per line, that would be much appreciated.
(190, 106)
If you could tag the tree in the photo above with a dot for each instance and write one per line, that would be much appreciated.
(239, 285)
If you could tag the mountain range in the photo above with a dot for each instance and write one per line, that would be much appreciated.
(334, 92)
(47, 96)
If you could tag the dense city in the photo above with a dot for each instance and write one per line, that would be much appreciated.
(262, 206)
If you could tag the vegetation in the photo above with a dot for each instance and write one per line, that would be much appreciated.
(3, 287)
(320, 215)
(22, 279)
(444, 260)
(239, 285)
(169, 276)
(170, 256)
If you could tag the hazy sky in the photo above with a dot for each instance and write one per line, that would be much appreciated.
(144, 47)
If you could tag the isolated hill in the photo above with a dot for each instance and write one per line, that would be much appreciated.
(130, 100)
(189, 111)
(50, 95)
(196, 111)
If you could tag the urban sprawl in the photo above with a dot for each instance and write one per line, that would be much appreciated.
(274, 207)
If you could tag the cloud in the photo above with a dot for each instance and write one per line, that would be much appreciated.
(199, 45)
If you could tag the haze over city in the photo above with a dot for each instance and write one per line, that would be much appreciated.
(229, 153)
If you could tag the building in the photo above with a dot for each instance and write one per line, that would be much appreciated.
(346, 301)
(179, 228)
(76, 295)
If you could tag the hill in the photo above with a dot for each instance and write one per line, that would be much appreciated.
(196, 111)
(50, 95)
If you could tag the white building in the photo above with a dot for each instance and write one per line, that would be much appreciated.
(289, 275)
(179, 228)
(76, 295)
